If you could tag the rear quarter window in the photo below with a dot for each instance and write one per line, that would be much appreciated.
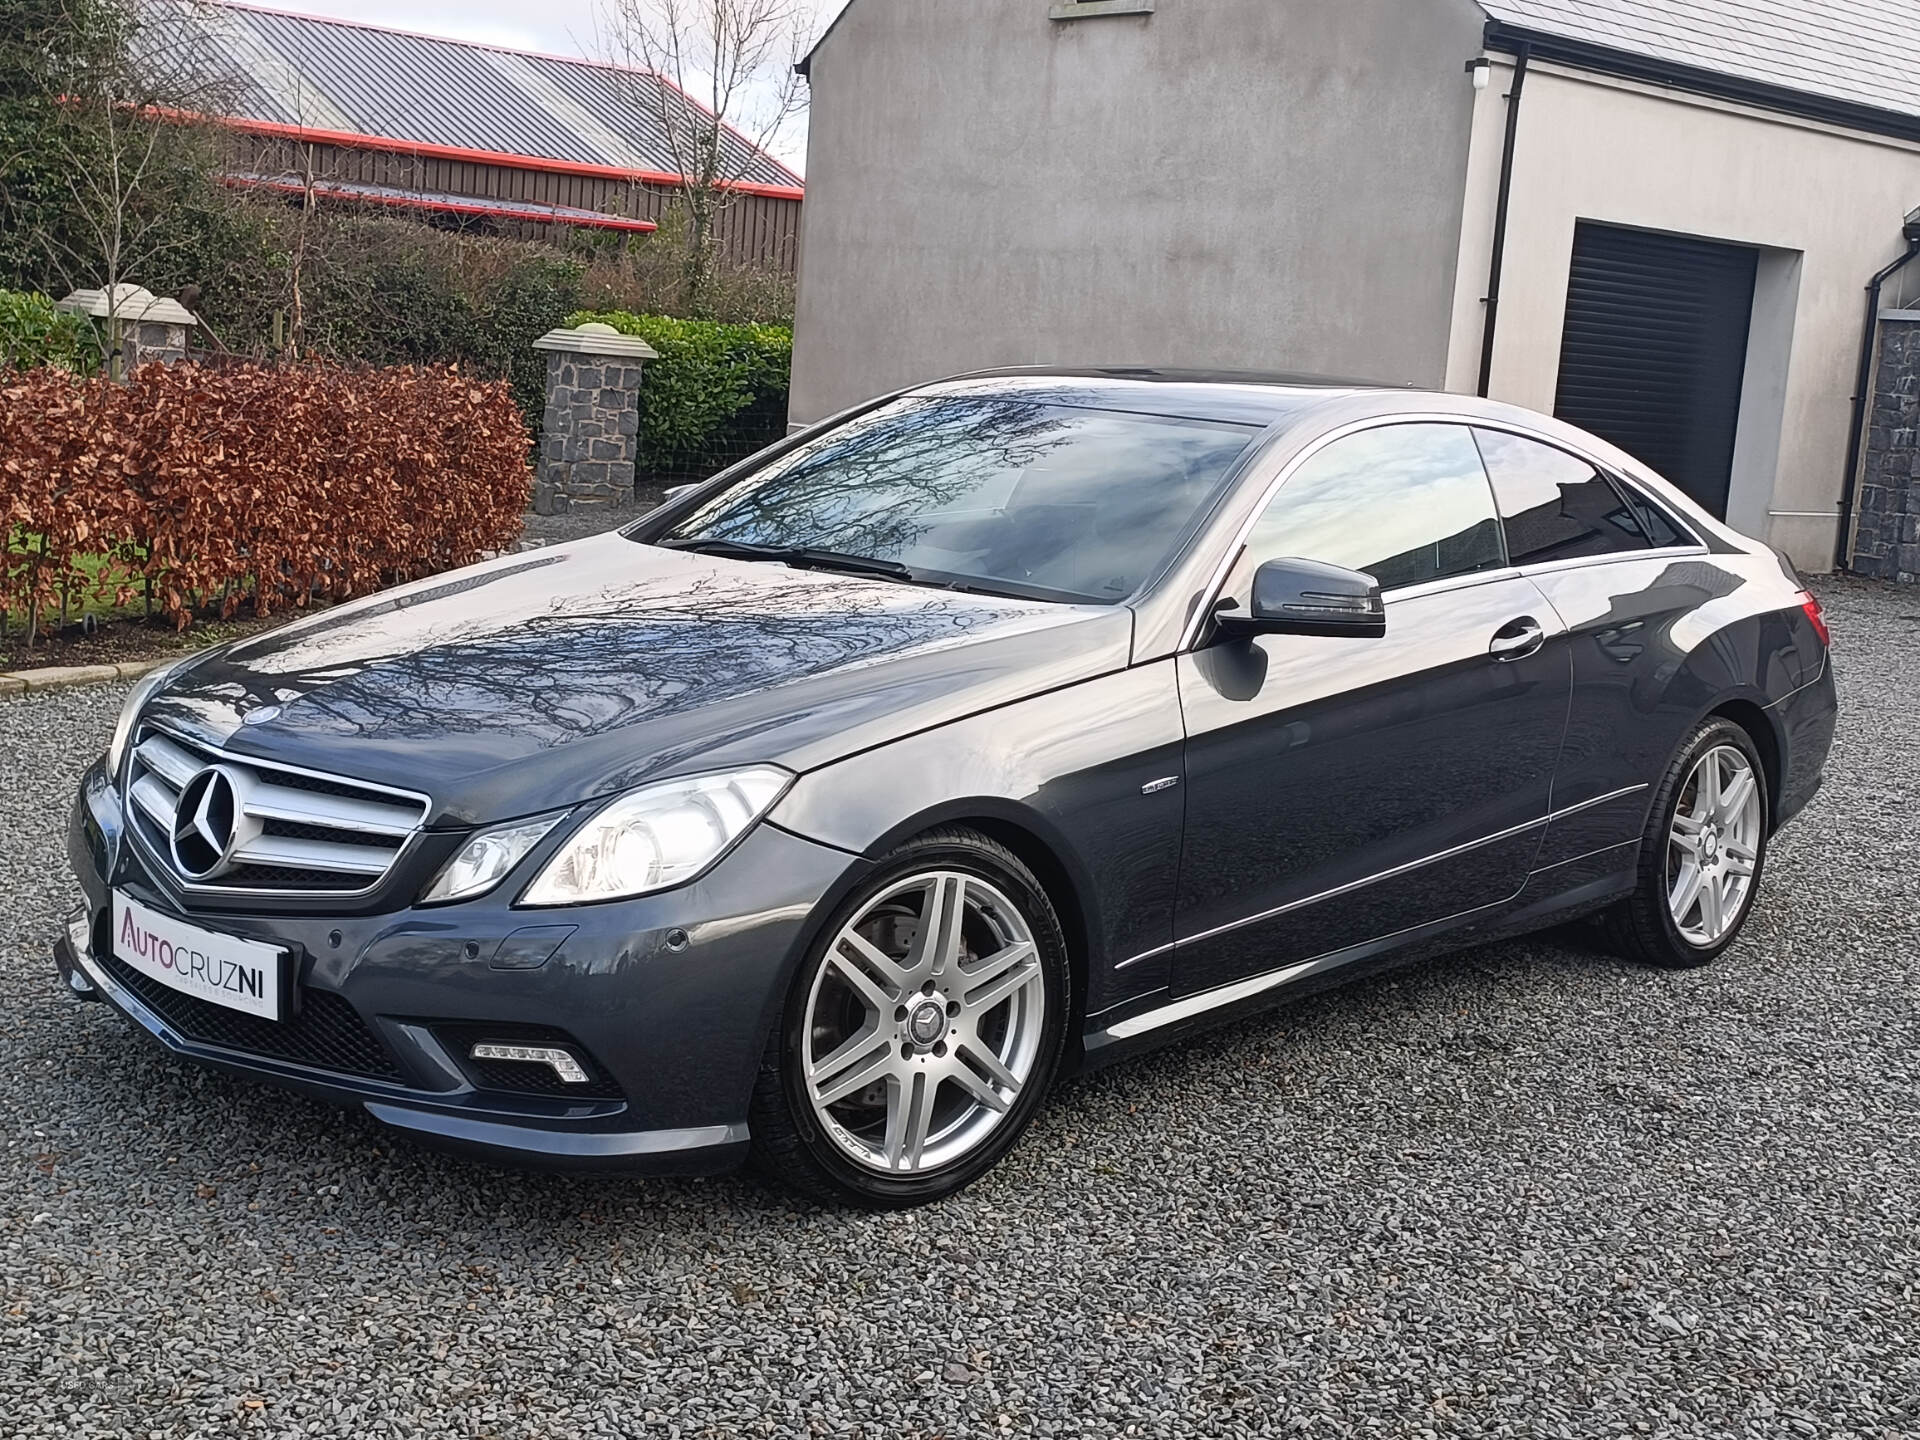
(1554, 505)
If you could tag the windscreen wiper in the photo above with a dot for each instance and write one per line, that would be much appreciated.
(803, 557)
(806, 557)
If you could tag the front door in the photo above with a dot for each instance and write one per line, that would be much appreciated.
(1342, 790)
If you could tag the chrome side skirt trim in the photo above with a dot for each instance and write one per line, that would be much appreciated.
(1399, 870)
(1598, 800)
(1589, 855)
(1207, 1000)
(1144, 956)
(1242, 989)
(1224, 995)
(1353, 885)
(1256, 985)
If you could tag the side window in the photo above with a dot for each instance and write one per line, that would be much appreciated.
(1555, 506)
(1404, 503)
(1659, 526)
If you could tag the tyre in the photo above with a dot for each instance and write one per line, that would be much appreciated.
(1703, 853)
(921, 1032)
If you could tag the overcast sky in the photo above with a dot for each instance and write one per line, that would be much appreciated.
(555, 27)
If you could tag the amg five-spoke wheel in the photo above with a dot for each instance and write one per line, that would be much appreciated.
(925, 1021)
(921, 1030)
(1715, 846)
(1702, 853)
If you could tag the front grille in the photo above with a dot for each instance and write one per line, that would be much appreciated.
(294, 832)
(520, 1077)
(327, 1034)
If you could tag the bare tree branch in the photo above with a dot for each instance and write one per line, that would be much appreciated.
(740, 54)
(136, 89)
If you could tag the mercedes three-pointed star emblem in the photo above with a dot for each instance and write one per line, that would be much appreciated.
(206, 823)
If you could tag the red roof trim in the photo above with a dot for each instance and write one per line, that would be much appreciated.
(527, 212)
(352, 140)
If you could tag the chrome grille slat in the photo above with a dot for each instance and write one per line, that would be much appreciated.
(156, 799)
(168, 760)
(304, 807)
(346, 835)
(314, 855)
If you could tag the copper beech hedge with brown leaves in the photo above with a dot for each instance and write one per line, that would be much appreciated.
(251, 486)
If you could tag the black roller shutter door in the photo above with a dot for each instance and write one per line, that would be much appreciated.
(1655, 351)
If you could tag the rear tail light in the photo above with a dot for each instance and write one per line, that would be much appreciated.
(1816, 617)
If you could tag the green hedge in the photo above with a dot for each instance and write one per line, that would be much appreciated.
(33, 333)
(717, 393)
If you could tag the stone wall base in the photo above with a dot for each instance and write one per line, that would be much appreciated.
(1886, 543)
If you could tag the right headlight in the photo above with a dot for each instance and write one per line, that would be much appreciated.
(657, 837)
(484, 861)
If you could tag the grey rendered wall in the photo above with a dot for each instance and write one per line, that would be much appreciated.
(1245, 184)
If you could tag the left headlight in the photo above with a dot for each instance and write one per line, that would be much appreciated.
(657, 837)
(143, 691)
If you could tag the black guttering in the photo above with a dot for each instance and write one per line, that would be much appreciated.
(804, 65)
(1496, 266)
(1584, 55)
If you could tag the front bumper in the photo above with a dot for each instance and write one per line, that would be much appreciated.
(669, 999)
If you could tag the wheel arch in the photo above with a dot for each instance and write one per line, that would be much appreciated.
(1729, 672)
(1764, 730)
(1068, 898)
(1041, 847)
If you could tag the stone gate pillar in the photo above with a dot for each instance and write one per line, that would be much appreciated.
(590, 434)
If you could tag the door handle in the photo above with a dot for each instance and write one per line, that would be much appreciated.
(1518, 640)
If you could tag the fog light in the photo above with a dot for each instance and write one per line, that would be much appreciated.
(560, 1061)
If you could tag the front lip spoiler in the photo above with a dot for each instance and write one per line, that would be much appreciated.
(554, 1146)
(705, 1150)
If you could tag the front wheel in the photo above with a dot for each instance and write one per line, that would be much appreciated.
(921, 1032)
(1703, 853)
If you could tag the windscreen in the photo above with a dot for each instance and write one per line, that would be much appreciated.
(1026, 496)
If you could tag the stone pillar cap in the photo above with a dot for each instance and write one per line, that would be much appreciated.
(595, 338)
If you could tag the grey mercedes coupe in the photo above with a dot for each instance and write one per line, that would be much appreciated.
(830, 812)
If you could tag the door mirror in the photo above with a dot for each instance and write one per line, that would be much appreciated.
(1306, 597)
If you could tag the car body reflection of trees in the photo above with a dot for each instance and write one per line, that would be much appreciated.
(613, 660)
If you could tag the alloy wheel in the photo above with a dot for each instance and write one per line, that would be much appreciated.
(1713, 848)
(924, 1022)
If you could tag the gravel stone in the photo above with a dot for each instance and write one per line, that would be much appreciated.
(585, 519)
(1524, 1191)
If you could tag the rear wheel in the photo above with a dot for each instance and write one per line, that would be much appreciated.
(1703, 853)
(921, 1032)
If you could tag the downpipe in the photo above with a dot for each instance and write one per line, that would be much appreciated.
(1496, 266)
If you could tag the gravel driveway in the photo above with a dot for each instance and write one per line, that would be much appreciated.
(1524, 1191)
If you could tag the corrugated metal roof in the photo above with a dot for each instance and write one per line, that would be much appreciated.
(1858, 52)
(401, 89)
